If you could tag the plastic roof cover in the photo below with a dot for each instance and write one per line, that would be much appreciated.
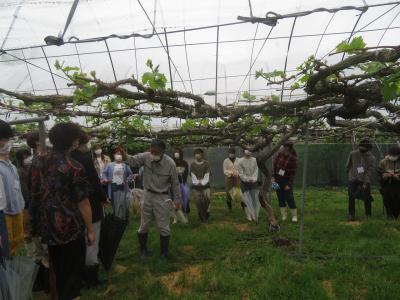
(24, 24)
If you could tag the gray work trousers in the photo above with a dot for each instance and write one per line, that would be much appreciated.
(93, 250)
(155, 205)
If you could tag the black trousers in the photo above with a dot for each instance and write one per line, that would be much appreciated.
(391, 200)
(229, 200)
(67, 263)
(355, 191)
(285, 197)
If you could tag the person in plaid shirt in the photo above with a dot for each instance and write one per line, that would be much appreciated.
(284, 170)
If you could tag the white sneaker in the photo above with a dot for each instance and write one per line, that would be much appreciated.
(294, 219)
(248, 216)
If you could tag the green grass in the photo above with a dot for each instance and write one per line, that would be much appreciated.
(229, 258)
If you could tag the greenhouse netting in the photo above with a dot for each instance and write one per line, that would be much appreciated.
(211, 52)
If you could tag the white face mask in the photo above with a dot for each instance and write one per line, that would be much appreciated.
(98, 151)
(197, 156)
(5, 150)
(155, 157)
(393, 158)
(49, 144)
(118, 157)
(28, 161)
(177, 155)
(247, 152)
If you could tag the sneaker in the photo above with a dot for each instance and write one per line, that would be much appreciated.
(294, 219)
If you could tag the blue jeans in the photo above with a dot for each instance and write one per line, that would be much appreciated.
(4, 235)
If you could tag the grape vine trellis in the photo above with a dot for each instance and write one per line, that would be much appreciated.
(363, 87)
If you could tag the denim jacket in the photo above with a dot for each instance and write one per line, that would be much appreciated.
(108, 174)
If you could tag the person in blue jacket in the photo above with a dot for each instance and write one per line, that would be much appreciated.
(117, 175)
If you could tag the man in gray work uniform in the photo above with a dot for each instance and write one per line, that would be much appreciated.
(160, 180)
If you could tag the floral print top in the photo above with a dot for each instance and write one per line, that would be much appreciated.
(58, 184)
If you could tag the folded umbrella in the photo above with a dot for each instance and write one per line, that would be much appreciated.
(17, 276)
(4, 288)
(112, 230)
(185, 197)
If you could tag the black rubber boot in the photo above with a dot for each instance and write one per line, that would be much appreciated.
(92, 276)
(229, 204)
(164, 243)
(143, 244)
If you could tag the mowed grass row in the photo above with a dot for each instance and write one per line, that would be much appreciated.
(230, 258)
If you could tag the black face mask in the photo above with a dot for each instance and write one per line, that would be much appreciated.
(363, 150)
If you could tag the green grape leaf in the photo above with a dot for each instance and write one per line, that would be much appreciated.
(356, 43)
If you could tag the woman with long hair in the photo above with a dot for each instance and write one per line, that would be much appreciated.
(100, 160)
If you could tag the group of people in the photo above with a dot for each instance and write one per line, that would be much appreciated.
(242, 174)
(53, 202)
(361, 169)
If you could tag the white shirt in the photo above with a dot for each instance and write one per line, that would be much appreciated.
(118, 176)
(248, 169)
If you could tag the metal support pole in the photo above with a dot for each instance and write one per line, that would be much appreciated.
(42, 129)
(187, 61)
(226, 87)
(169, 59)
(29, 72)
(303, 193)
(79, 58)
(111, 61)
(271, 168)
(42, 137)
(287, 55)
(136, 64)
(352, 32)
(29, 120)
(51, 72)
(251, 57)
(216, 68)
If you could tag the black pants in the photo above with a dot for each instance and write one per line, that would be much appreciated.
(356, 191)
(229, 200)
(285, 196)
(67, 263)
(391, 200)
